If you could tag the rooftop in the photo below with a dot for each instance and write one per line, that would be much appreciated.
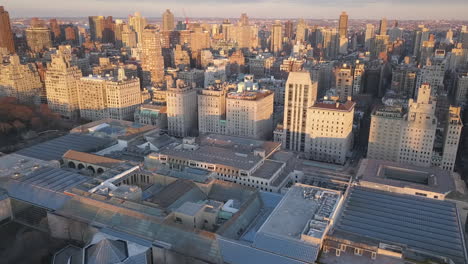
(415, 223)
(268, 169)
(332, 105)
(14, 163)
(405, 176)
(55, 148)
(91, 158)
(112, 128)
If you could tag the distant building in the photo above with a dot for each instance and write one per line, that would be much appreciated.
(343, 25)
(168, 21)
(152, 61)
(461, 94)
(38, 38)
(276, 37)
(21, 81)
(344, 81)
(6, 35)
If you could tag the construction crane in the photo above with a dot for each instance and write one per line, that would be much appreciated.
(186, 18)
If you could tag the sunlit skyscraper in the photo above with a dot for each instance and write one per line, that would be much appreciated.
(6, 36)
(343, 25)
(168, 20)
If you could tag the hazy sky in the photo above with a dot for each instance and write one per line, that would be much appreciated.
(393, 9)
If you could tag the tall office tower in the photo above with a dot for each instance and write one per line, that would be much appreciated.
(96, 27)
(168, 21)
(451, 140)
(250, 114)
(461, 94)
(301, 31)
(379, 46)
(300, 94)
(137, 23)
(276, 37)
(109, 97)
(420, 35)
(181, 57)
(404, 80)
(329, 134)
(212, 110)
(343, 25)
(71, 35)
(118, 30)
(330, 43)
(6, 35)
(383, 26)
(288, 29)
(61, 80)
(55, 30)
(344, 81)
(226, 30)
(199, 40)
(370, 33)
(129, 37)
(359, 70)
(21, 81)
(182, 117)
(152, 61)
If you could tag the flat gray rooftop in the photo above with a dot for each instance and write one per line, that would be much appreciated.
(294, 211)
(216, 155)
(405, 175)
(421, 224)
(55, 148)
(268, 168)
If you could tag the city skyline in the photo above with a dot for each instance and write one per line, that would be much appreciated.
(316, 9)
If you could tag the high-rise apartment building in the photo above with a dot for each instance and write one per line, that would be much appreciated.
(383, 26)
(411, 137)
(288, 29)
(109, 97)
(61, 81)
(370, 33)
(129, 37)
(343, 25)
(212, 110)
(250, 114)
(379, 45)
(420, 35)
(55, 30)
(21, 81)
(276, 45)
(181, 57)
(38, 38)
(330, 42)
(96, 27)
(344, 81)
(433, 73)
(182, 116)
(300, 94)
(168, 21)
(137, 23)
(404, 80)
(6, 35)
(301, 31)
(329, 134)
(152, 61)
(461, 94)
(358, 74)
